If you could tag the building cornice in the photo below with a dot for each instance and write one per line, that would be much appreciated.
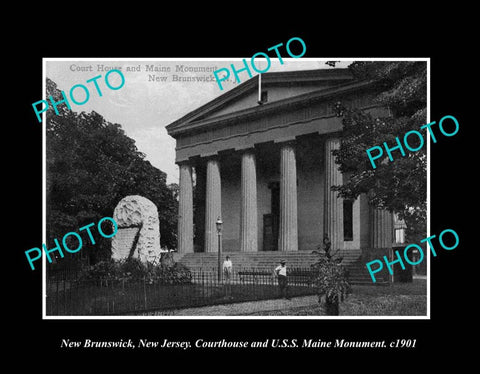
(268, 79)
(188, 124)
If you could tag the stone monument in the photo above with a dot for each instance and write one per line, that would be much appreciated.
(138, 233)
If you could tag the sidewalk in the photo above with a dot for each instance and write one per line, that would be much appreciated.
(238, 309)
(415, 276)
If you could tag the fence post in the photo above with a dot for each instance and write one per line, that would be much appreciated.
(203, 288)
(113, 304)
(145, 292)
(209, 282)
(56, 297)
(72, 284)
(64, 296)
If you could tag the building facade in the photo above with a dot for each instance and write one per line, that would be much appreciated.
(260, 157)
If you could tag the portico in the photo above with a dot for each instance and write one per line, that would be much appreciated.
(267, 169)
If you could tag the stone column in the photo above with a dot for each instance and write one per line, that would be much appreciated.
(333, 218)
(199, 196)
(248, 208)
(185, 210)
(213, 204)
(381, 228)
(288, 233)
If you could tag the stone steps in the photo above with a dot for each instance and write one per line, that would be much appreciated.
(267, 261)
(256, 260)
(359, 275)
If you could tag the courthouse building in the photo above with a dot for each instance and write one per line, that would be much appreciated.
(260, 157)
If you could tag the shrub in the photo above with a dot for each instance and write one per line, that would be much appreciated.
(102, 270)
(134, 269)
(331, 280)
(176, 274)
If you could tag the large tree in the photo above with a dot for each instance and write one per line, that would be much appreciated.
(399, 186)
(91, 165)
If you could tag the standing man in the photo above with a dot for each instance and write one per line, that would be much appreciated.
(227, 275)
(281, 272)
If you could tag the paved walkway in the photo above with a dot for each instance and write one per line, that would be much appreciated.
(415, 276)
(244, 308)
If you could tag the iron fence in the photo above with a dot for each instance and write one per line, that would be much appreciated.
(68, 274)
(73, 296)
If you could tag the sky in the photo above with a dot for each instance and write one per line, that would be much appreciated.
(149, 100)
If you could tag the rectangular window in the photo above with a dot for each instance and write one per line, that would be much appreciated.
(399, 228)
(400, 235)
(348, 220)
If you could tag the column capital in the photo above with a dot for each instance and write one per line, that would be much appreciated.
(292, 141)
(208, 155)
(211, 157)
(333, 142)
(184, 163)
(246, 149)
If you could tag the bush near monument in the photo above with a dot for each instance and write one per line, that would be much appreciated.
(134, 269)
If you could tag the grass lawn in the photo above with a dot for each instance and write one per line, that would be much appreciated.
(399, 299)
(94, 298)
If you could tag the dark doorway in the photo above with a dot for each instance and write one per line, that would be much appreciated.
(348, 220)
(271, 221)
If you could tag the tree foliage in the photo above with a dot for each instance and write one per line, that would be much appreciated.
(399, 186)
(91, 164)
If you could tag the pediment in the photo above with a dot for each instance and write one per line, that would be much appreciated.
(279, 86)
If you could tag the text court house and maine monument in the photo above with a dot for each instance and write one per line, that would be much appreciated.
(266, 168)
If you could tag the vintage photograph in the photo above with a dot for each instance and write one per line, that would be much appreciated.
(298, 192)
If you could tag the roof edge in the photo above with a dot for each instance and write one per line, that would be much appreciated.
(313, 75)
(259, 110)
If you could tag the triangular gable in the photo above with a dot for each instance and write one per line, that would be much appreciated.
(279, 85)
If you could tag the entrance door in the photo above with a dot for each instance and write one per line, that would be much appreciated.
(271, 221)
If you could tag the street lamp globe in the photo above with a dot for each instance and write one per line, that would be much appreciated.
(219, 224)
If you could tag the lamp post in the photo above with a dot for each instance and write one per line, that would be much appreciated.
(219, 224)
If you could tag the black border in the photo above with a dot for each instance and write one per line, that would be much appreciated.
(451, 271)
